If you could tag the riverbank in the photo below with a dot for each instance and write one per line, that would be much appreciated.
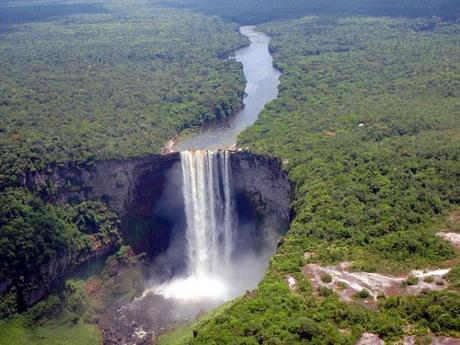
(262, 80)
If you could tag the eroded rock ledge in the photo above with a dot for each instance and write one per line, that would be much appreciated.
(135, 189)
(130, 185)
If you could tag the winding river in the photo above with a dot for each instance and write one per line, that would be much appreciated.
(262, 80)
(210, 210)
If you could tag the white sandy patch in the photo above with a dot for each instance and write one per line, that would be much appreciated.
(452, 237)
(375, 283)
(370, 339)
(292, 283)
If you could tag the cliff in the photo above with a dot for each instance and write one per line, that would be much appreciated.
(114, 181)
(264, 182)
(133, 187)
(146, 194)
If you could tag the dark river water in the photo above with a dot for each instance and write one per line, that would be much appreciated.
(262, 81)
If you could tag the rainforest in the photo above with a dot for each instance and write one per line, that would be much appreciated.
(229, 172)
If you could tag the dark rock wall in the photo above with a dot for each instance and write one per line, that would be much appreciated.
(38, 286)
(263, 181)
(118, 182)
(132, 187)
(146, 194)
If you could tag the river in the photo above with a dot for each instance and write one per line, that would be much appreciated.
(170, 301)
(262, 80)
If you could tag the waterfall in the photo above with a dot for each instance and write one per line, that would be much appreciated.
(209, 210)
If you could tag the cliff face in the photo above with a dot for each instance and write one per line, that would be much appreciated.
(262, 180)
(38, 286)
(126, 185)
(31, 288)
(114, 181)
(146, 194)
(133, 187)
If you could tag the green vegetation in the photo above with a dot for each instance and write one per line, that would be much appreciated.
(35, 234)
(428, 279)
(436, 310)
(453, 277)
(16, 332)
(367, 119)
(326, 278)
(82, 82)
(55, 320)
(410, 281)
(115, 84)
(342, 285)
(372, 142)
(363, 294)
(69, 316)
(184, 334)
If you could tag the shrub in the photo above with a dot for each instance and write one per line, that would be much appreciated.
(326, 278)
(381, 296)
(325, 291)
(364, 293)
(410, 281)
(46, 309)
(308, 329)
(342, 285)
(453, 277)
(428, 279)
(391, 302)
(8, 304)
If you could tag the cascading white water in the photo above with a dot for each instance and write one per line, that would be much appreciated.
(208, 208)
(210, 213)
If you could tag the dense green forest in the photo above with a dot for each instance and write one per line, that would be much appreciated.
(80, 83)
(34, 233)
(368, 122)
(258, 11)
(118, 84)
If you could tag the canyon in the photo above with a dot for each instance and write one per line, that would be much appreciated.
(145, 193)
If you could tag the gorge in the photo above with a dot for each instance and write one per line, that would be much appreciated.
(169, 177)
(208, 218)
(236, 205)
(215, 269)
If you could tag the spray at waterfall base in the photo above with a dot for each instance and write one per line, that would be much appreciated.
(218, 265)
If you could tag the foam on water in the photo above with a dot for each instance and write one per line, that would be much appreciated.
(210, 216)
(195, 287)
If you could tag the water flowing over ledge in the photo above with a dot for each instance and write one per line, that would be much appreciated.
(210, 212)
(208, 218)
(209, 203)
